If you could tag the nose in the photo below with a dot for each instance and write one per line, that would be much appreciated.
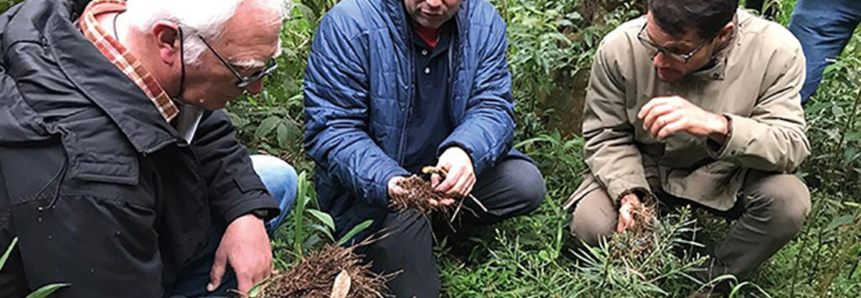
(434, 3)
(255, 87)
(661, 61)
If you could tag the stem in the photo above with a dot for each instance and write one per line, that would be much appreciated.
(849, 124)
(852, 272)
(848, 239)
(799, 255)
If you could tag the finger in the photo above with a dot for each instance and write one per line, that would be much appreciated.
(653, 115)
(624, 224)
(394, 187)
(635, 202)
(620, 227)
(435, 180)
(447, 202)
(664, 121)
(244, 283)
(444, 164)
(261, 277)
(470, 185)
(450, 181)
(460, 187)
(433, 202)
(397, 190)
(670, 129)
(626, 219)
(649, 105)
(217, 272)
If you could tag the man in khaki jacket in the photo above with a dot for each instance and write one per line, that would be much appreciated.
(697, 103)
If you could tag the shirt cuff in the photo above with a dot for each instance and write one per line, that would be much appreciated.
(621, 187)
(736, 141)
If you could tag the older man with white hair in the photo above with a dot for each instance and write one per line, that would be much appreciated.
(118, 173)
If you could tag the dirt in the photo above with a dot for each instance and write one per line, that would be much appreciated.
(316, 276)
(418, 195)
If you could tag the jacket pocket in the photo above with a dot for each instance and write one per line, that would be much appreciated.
(108, 169)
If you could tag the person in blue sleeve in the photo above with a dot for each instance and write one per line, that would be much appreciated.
(395, 85)
(823, 27)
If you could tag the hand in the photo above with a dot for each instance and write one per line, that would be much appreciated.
(245, 247)
(460, 175)
(393, 187)
(626, 216)
(664, 116)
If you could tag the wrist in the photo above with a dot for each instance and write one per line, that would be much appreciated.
(455, 149)
(719, 125)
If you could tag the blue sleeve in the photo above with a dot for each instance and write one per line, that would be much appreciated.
(487, 129)
(337, 115)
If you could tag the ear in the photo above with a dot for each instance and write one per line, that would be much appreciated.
(167, 39)
(726, 33)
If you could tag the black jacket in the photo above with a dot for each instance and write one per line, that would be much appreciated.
(100, 190)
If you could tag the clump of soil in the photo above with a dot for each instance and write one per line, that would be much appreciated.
(334, 271)
(417, 196)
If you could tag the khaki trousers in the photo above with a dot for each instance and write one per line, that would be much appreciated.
(770, 211)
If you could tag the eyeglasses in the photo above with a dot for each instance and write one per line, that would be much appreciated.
(243, 82)
(654, 49)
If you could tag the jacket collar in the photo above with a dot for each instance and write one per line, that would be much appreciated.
(718, 70)
(396, 12)
(104, 84)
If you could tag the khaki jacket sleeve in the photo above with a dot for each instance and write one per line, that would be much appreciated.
(610, 150)
(773, 137)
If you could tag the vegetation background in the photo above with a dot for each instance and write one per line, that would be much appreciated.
(552, 43)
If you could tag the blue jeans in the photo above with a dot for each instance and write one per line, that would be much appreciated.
(823, 27)
(281, 181)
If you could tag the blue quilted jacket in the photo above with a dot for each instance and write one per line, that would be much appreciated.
(359, 91)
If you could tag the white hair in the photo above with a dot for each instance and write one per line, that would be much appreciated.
(196, 17)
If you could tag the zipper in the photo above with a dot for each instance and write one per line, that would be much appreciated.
(452, 72)
(410, 96)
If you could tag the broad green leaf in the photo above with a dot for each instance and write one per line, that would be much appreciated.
(8, 252)
(839, 222)
(325, 230)
(323, 217)
(299, 213)
(309, 244)
(282, 134)
(358, 228)
(238, 121)
(266, 126)
(47, 290)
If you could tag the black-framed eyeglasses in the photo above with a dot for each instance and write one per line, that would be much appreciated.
(242, 81)
(654, 49)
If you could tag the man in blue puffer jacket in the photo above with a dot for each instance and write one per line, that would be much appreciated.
(394, 85)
